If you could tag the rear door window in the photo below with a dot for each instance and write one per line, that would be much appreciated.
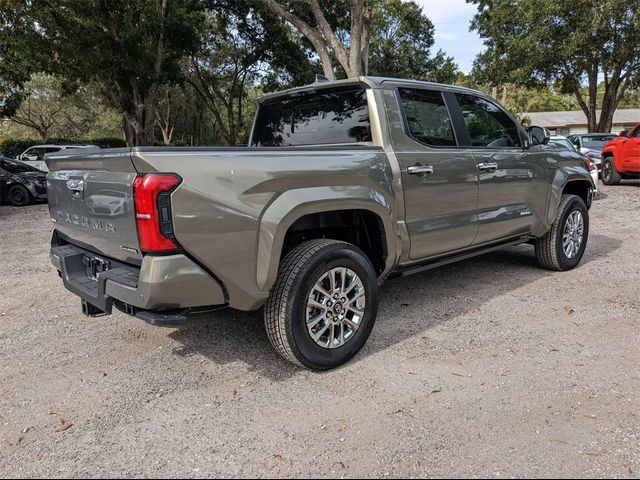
(488, 124)
(336, 116)
(427, 118)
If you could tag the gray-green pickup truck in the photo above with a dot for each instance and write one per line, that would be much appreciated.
(344, 184)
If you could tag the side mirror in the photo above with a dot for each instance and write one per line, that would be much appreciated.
(539, 135)
(584, 151)
(624, 133)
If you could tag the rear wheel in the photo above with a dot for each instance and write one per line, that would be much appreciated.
(323, 305)
(610, 176)
(562, 247)
(19, 196)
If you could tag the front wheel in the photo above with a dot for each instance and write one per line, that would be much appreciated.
(562, 247)
(19, 196)
(323, 305)
(610, 175)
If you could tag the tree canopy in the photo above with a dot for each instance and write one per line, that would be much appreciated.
(571, 43)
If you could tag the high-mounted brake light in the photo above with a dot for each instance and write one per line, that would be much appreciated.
(152, 202)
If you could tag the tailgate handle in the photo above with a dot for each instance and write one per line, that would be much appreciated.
(76, 185)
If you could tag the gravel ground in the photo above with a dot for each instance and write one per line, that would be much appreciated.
(490, 367)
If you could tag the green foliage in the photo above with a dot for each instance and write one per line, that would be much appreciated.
(49, 109)
(13, 148)
(243, 41)
(127, 48)
(568, 43)
(401, 41)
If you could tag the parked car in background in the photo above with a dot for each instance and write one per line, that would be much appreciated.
(591, 145)
(621, 157)
(34, 156)
(21, 184)
(564, 142)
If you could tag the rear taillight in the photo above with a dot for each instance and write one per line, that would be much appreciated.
(152, 201)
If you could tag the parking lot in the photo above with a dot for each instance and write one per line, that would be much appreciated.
(490, 367)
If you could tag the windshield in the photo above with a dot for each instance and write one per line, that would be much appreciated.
(562, 143)
(16, 167)
(596, 142)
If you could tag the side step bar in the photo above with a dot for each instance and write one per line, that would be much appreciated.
(435, 263)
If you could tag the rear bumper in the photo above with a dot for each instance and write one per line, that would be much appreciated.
(160, 284)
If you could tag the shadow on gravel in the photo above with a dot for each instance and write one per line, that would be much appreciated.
(408, 306)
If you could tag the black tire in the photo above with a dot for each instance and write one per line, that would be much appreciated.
(610, 175)
(549, 248)
(19, 196)
(286, 308)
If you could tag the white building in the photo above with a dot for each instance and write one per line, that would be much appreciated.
(566, 123)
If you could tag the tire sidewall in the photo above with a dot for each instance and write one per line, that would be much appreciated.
(25, 196)
(308, 352)
(611, 178)
(576, 203)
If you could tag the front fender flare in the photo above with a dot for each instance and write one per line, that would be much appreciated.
(561, 179)
(294, 204)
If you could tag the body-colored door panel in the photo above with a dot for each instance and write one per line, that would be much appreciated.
(440, 207)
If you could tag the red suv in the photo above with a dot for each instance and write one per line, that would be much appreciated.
(621, 157)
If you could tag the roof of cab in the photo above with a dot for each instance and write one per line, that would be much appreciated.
(369, 82)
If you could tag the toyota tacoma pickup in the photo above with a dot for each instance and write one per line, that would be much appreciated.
(621, 157)
(344, 184)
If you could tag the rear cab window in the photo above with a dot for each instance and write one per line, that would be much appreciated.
(426, 117)
(325, 117)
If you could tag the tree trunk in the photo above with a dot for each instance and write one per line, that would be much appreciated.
(138, 126)
(354, 60)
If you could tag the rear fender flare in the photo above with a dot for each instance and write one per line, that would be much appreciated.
(294, 204)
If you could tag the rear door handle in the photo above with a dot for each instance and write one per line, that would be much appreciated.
(420, 169)
(489, 167)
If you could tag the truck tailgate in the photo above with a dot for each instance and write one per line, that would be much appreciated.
(91, 202)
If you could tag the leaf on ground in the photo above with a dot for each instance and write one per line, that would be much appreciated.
(590, 417)
(278, 457)
(63, 425)
(458, 374)
(437, 390)
(495, 323)
(344, 467)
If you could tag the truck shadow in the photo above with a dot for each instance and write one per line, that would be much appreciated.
(408, 306)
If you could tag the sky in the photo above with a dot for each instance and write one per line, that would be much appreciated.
(451, 20)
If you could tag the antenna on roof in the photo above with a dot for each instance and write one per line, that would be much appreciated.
(320, 78)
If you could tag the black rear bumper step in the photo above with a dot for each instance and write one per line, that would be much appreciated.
(163, 319)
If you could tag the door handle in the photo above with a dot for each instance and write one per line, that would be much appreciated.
(420, 169)
(489, 167)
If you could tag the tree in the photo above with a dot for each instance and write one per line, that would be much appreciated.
(401, 41)
(351, 48)
(51, 109)
(128, 48)
(21, 53)
(243, 42)
(534, 42)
